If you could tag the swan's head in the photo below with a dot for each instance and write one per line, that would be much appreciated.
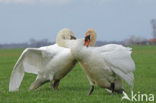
(90, 38)
(63, 35)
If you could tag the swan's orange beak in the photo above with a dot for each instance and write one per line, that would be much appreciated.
(87, 39)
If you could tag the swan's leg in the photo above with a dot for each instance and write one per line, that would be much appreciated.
(51, 80)
(56, 84)
(119, 88)
(91, 90)
(51, 84)
(92, 85)
(114, 90)
(113, 87)
(37, 83)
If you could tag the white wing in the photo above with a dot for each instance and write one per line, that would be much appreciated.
(120, 61)
(32, 60)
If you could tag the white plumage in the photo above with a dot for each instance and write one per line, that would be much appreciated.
(105, 65)
(49, 63)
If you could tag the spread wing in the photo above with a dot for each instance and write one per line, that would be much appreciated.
(119, 60)
(32, 60)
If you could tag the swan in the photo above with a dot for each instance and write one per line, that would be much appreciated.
(48, 63)
(106, 66)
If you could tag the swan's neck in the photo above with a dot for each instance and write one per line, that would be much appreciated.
(78, 49)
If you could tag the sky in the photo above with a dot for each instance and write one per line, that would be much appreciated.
(21, 20)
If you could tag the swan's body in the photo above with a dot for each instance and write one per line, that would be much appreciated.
(49, 63)
(105, 66)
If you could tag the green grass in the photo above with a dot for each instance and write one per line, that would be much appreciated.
(75, 86)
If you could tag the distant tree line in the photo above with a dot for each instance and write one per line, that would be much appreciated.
(132, 40)
(45, 42)
(32, 43)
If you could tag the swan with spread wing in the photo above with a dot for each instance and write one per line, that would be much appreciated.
(48, 63)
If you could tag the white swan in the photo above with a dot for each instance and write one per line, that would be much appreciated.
(49, 63)
(105, 66)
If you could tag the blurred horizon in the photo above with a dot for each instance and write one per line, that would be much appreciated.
(113, 20)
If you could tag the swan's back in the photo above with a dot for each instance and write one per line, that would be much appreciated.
(118, 55)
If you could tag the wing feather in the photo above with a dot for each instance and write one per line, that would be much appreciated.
(120, 61)
(32, 60)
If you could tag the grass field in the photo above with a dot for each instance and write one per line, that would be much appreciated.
(75, 86)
